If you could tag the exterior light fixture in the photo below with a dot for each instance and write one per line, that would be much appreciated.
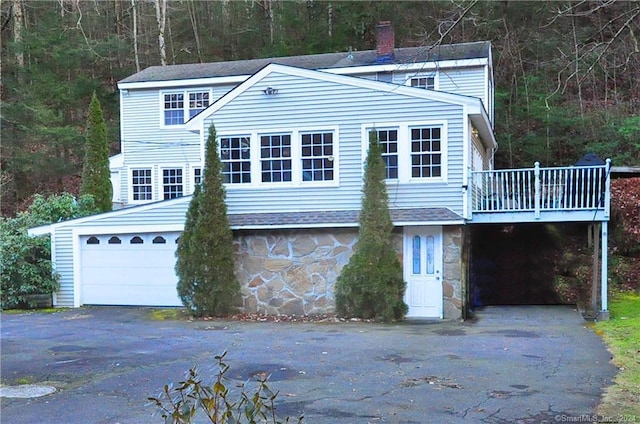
(270, 91)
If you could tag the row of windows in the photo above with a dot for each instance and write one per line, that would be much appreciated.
(426, 151)
(172, 183)
(176, 108)
(132, 240)
(179, 107)
(276, 158)
(313, 153)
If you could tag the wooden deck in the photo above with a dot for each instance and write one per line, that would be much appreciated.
(563, 194)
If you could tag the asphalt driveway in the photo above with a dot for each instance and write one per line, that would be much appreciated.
(513, 364)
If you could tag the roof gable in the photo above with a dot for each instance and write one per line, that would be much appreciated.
(473, 104)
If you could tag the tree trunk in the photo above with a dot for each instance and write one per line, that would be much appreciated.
(161, 18)
(134, 13)
(18, 26)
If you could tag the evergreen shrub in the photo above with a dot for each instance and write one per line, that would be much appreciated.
(371, 285)
(205, 264)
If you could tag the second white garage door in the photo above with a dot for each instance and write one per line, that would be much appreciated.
(129, 269)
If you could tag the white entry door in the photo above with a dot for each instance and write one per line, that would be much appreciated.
(423, 271)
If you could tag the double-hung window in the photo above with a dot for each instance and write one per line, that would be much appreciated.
(426, 152)
(178, 107)
(197, 176)
(317, 156)
(141, 184)
(198, 102)
(174, 109)
(235, 155)
(275, 158)
(388, 140)
(172, 183)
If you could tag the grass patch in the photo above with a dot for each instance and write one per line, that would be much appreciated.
(33, 311)
(622, 335)
(169, 314)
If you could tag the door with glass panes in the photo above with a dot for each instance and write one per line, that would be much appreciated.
(423, 271)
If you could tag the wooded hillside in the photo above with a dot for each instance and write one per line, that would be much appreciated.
(567, 73)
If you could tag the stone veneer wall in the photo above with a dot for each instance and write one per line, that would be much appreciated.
(452, 284)
(293, 272)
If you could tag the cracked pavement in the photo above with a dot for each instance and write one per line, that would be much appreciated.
(527, 364)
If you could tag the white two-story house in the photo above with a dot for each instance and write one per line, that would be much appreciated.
(293, 134)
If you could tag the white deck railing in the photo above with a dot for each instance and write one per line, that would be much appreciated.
(574, 188)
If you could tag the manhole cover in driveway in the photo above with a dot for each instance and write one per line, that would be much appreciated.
(25, 391)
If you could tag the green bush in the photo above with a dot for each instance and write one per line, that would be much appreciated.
(205, 262)
(371, 285)
(181, 404)
(25, 264)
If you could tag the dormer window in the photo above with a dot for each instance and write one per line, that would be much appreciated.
(428, 82)
(178, 105)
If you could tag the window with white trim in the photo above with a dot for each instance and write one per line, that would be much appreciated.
(428, 82)
(275, 158)
(178, 107)
(235, 155)
(141, 184)
(198, 102)
(172, 183)
(426, 152)
(317, 156)
(197, 176)
(388, 140)
(174, 109)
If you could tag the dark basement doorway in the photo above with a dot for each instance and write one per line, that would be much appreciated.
(513, 265)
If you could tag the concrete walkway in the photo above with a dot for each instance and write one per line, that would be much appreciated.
(512, 364)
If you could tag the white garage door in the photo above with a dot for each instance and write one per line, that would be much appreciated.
(129, 269)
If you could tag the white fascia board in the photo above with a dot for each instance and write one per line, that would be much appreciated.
(196, 123)
(234, 79)
(40, 231)
(112, 214)
(483, 124)
(116, 161)
(416, 66)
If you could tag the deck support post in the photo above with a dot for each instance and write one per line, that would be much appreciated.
(603, 315)
(595, 272)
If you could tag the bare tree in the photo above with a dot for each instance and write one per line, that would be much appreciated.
(18, 26)
(161, 18)
(134, 12)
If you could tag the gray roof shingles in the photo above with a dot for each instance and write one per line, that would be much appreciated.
(339, 218)
(407, 55)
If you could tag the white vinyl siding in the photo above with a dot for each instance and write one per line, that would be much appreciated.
(310, 103)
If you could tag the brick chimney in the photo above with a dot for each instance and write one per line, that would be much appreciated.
(385, 42)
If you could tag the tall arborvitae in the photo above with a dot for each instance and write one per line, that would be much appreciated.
(371, 285)
(95, 172)
(205, 263)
